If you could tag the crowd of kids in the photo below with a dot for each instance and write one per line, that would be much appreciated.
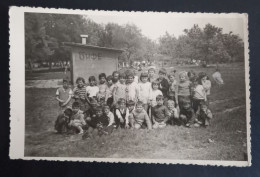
(124, 100)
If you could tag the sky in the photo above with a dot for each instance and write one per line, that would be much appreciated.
(154, 25)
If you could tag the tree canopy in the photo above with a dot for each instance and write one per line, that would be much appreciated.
(44, 34)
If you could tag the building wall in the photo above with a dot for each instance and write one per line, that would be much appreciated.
(91, 62)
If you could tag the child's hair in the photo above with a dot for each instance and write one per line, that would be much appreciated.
(191, 73)
(68, 112)
(130, 103)
(203, 74)
(80, 79)
(163, 71)
(121, 75)
(155, 82)
(159, 97)
(144, 74)
(151, 69)
(99, 108)
(75, 104)
(101, 75)
(121, 100)
(171, 74)
(130, 74)
(170, 102)
(106, 107)
(91, 78)
(115, 72)
(139, 103)
(110, 77)
(65, 80)
(183, 73)
(93, 102)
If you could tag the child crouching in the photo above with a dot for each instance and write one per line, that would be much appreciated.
(97, 124)
(61, 124)
(203, 116)
(160, 113)
(174, 113)
(187, 115)
(77, 119)
(139, 116)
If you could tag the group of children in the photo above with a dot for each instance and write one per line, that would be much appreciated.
(122, 100)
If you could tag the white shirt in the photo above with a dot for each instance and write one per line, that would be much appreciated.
(126, 116)
(111, 118)
(144, 91)
(153, 95)
(131, 91)
(199, 92)
(92, 90)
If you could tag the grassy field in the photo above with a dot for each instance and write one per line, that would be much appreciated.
(227, 130)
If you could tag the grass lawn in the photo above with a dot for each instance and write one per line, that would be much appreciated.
(227, 129)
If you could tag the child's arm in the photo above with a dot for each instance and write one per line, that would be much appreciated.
(57, 96)
(82, 119)
(114, 94)
(137, 93)
(209, 114)
(148, 121)
(131, 120)
(127, 118)
(111, 119)
(166, 114)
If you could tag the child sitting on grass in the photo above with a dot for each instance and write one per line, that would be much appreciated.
(203, 116)
(122, 114)
(173, 113)
(187, 115)
(110, 86)
(92, 89)
(119, 89)
(144, 90)
(164, 85)
(63, 95)
(139, 116)
(131, 88)
(61, 124)
(77, 119)
(97, 124)
(101, 95)
(79, 94)
(110, 116)
(160, 113)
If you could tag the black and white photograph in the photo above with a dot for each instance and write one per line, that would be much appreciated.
(110, 86)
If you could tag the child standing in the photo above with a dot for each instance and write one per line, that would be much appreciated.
(172, 86)
(160, 113)
(122, 114)
(136, 77)
(199, 94)
(203, 116)
(115, 75)
(101, 95)
(152, 76)
(154, 93)
(174, 113)
(131, 88)
(119, 90)
(144, 90)
(164, 85)
(206, 83)
(63, 95)
(92, 90)
(110, 86)
(77, 119)
(139, 116)
(183, 90)
(79, 94)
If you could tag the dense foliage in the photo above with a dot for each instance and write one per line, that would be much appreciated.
(44, 34)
